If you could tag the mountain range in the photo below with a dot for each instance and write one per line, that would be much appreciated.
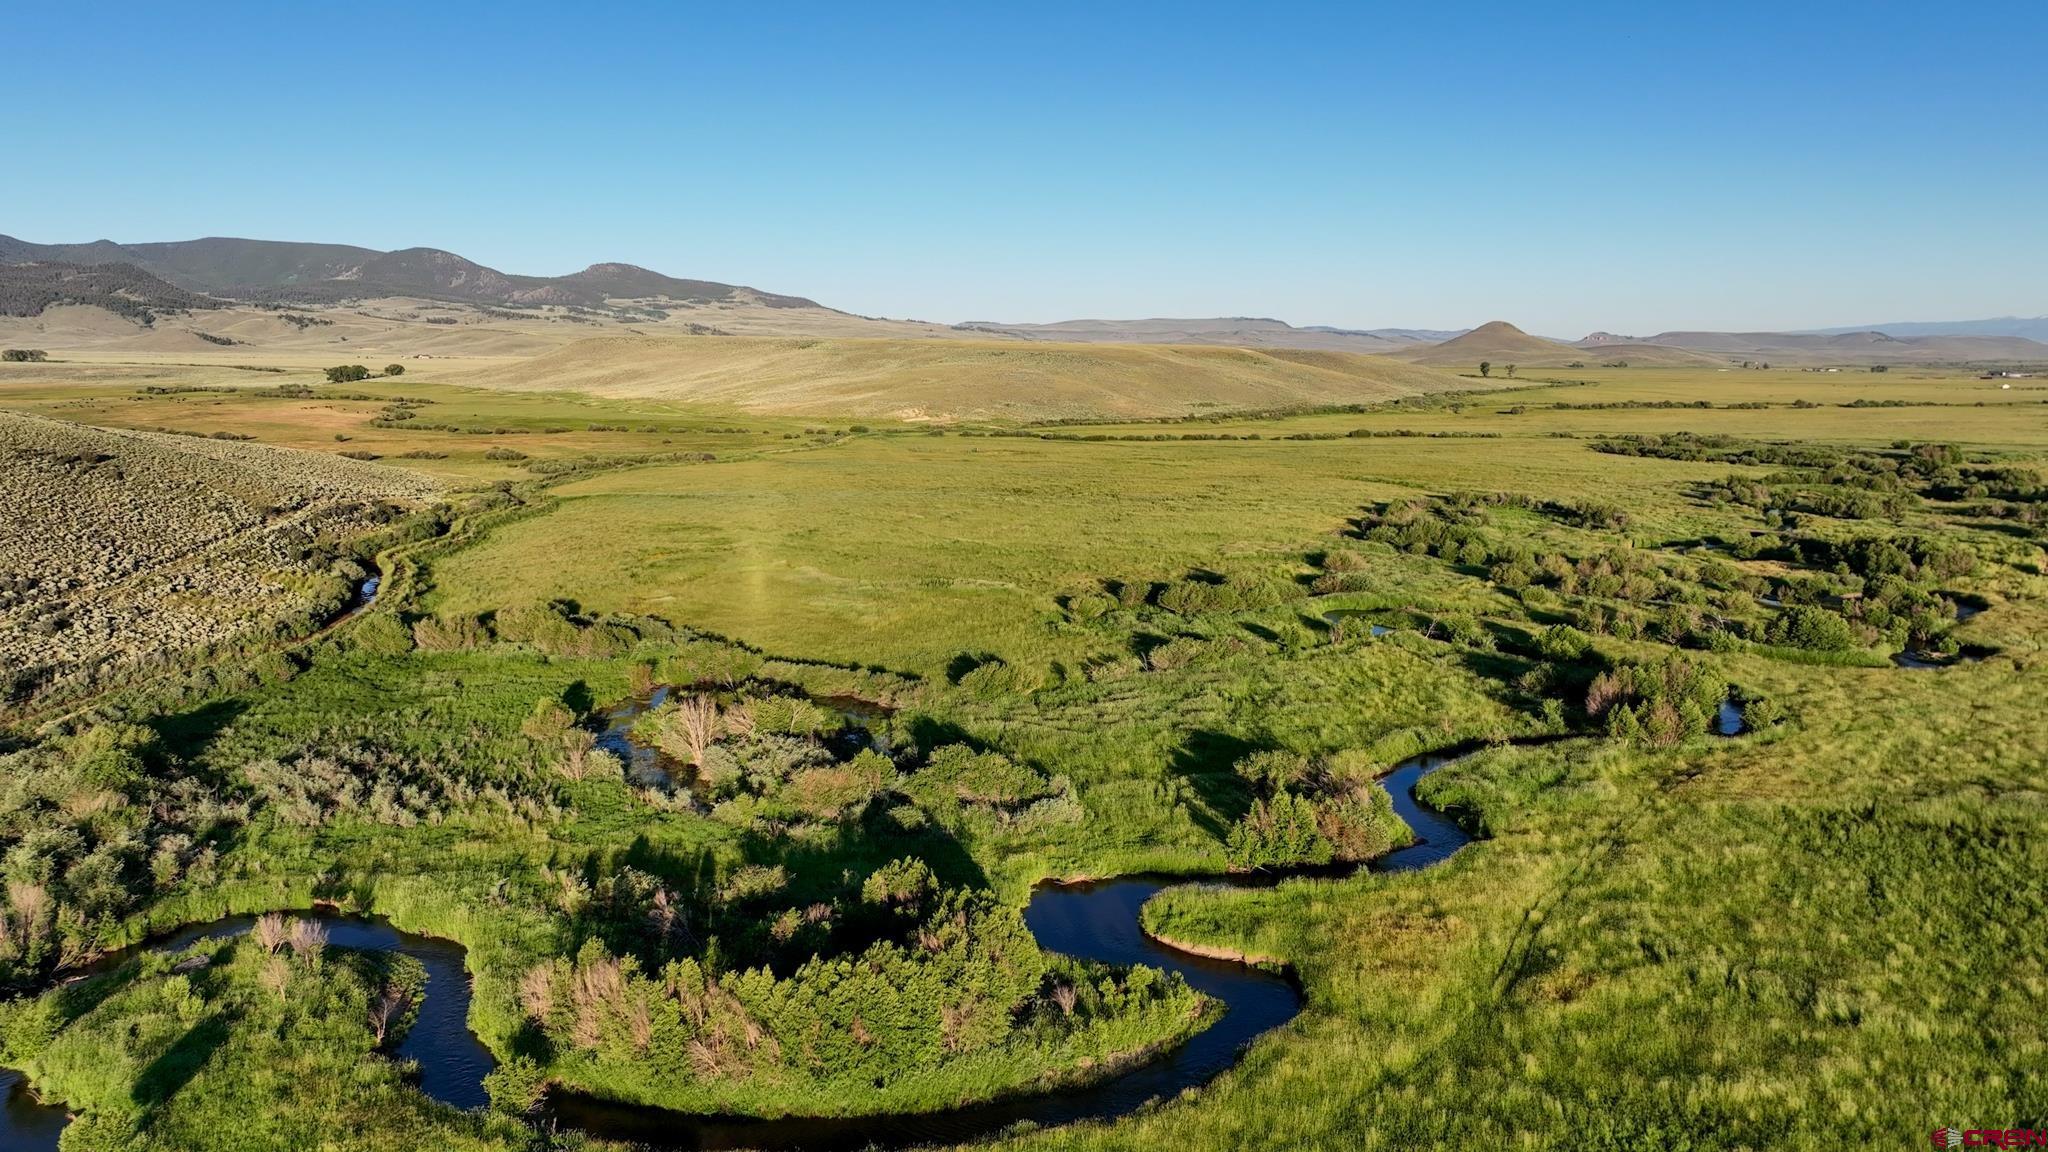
(277, 270)
(1856, 346)
(1231, 331)
(136, 281)
(2032, 328)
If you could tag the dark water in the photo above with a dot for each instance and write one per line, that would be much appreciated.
(646, 765)
(862, 724)
(365, 595)
(1093, 921)
(452, 1061)
(1338, 615)
(27, 1124)
(1968, 654)
(1728, 719)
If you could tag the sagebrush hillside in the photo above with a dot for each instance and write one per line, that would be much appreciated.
(121, 546)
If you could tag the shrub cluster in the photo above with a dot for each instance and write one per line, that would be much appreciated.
(1658, 704)
(91, 826)
(1307, 812)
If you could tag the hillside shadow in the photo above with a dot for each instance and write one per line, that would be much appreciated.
(1206, 761)
(930, 732)
(578, 698)
(959, 666)
(181, 1061)
(185, 735)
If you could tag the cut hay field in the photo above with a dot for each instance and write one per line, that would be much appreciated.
(959, 379)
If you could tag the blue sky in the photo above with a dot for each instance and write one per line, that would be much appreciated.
(1634, 167)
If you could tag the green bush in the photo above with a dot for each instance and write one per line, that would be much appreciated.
(1280, 832)
(1815, 629)
(1563, 644)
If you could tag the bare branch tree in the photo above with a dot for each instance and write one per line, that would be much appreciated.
(576, 744)
(270, 932)
(1066, 997)
(387, 1009)
(308, 940)
(695, 726)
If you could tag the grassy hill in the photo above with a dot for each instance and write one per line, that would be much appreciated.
(1502, 343)
(929, 379)
(1498, 341)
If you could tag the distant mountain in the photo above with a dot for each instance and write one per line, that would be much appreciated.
(2031, 328)
(1230, 331)
(1400, 335)
(1861, 346)
(124, 289)
(325, 273)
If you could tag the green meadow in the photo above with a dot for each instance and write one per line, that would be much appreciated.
(1093, 649)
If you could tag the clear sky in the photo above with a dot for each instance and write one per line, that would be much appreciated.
(1633, 167)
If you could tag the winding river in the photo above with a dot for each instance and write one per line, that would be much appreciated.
(1097, 920)
(452, 1061)
(1093, 920)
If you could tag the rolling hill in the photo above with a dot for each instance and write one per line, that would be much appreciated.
(1863, 347)
(2031, 327)
(1230, 331)
(955, 379)
(327, 273)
